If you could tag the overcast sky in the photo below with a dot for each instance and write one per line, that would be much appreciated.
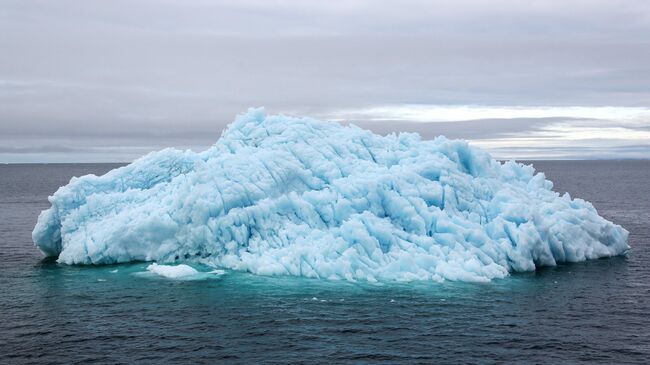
(112, 80)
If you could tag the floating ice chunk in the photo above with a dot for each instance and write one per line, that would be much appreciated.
(181, 272)
(172, 271)
(287, 196)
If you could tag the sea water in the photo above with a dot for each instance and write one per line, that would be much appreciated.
(594, 312)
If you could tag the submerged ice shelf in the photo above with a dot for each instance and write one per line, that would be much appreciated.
(287, 196)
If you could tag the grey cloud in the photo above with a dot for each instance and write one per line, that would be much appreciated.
(154, 72)
(577, 153)
(38, 149)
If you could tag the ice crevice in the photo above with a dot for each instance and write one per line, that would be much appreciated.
(277, 195)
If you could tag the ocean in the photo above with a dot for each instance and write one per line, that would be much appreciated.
(592, 312)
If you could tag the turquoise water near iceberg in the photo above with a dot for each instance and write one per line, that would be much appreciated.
(592, 312)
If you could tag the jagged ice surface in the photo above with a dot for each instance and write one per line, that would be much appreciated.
(278, 195)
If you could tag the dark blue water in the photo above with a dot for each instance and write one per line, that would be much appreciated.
(595, 312)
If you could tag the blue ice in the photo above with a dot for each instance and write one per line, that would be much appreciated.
(296, 196)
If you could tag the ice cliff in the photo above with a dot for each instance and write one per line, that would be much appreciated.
(287, 196)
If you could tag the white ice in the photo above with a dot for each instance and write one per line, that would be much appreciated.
(172, 271)
(286, 196)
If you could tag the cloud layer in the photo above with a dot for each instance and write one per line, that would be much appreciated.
(108, 80)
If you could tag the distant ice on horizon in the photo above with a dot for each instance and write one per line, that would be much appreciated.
(296, 196)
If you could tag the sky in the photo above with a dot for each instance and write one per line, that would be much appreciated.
(104, 81)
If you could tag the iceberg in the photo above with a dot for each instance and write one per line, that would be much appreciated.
(277, 195)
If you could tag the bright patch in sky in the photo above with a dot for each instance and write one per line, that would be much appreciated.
(449, 113)
(551, 132)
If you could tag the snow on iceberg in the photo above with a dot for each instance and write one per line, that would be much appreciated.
(287, 196)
